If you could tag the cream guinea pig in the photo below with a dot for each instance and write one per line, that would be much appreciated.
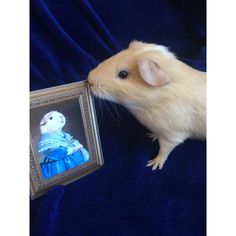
(163, 93)
(53, 121)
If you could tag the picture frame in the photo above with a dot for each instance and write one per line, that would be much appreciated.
(64, 136)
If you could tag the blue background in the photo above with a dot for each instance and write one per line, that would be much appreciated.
(68, 38)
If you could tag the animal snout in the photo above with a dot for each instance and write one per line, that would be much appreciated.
(92, 83)
(91, 80)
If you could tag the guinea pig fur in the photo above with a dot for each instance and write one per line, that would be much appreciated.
(163, 93)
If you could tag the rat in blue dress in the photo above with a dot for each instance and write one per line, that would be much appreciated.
(60, 151)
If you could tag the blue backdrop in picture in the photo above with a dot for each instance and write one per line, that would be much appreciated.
(68, 38)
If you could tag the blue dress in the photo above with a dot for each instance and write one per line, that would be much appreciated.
(60, 153)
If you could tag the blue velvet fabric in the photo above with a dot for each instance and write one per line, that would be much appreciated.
(68, 39)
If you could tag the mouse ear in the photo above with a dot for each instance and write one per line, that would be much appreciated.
(152, 74)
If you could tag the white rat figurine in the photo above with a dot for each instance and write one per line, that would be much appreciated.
(163, 93)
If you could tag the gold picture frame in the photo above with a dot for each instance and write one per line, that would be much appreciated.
(76, 101)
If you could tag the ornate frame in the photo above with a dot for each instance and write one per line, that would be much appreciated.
(39, 98)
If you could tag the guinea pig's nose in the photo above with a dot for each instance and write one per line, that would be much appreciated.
(91, 81)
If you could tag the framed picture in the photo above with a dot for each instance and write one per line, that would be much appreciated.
(64, 136)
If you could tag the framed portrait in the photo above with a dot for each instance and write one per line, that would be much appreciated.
(64, 136)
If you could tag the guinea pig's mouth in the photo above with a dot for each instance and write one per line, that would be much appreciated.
(95, 88)
(99, 91)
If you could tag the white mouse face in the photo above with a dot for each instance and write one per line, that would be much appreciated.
(53, 121)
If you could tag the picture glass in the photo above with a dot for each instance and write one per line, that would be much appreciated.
(58, 136)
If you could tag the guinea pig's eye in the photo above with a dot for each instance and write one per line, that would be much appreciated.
(123, 74)
(51, 118)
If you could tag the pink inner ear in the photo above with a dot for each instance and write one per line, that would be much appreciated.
(152, 73)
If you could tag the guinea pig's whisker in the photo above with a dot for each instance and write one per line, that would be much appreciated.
(101, 107)
(100, 95)
(98, 89)
(97, 105)
(114, 108)
(104, 97)
(116, 112)
(104, 101)
(100, 110)
(108, 98)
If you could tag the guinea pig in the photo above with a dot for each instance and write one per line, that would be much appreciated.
(53, 121)
(163, 93)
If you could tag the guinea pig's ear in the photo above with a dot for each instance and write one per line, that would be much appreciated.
(152, 74)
